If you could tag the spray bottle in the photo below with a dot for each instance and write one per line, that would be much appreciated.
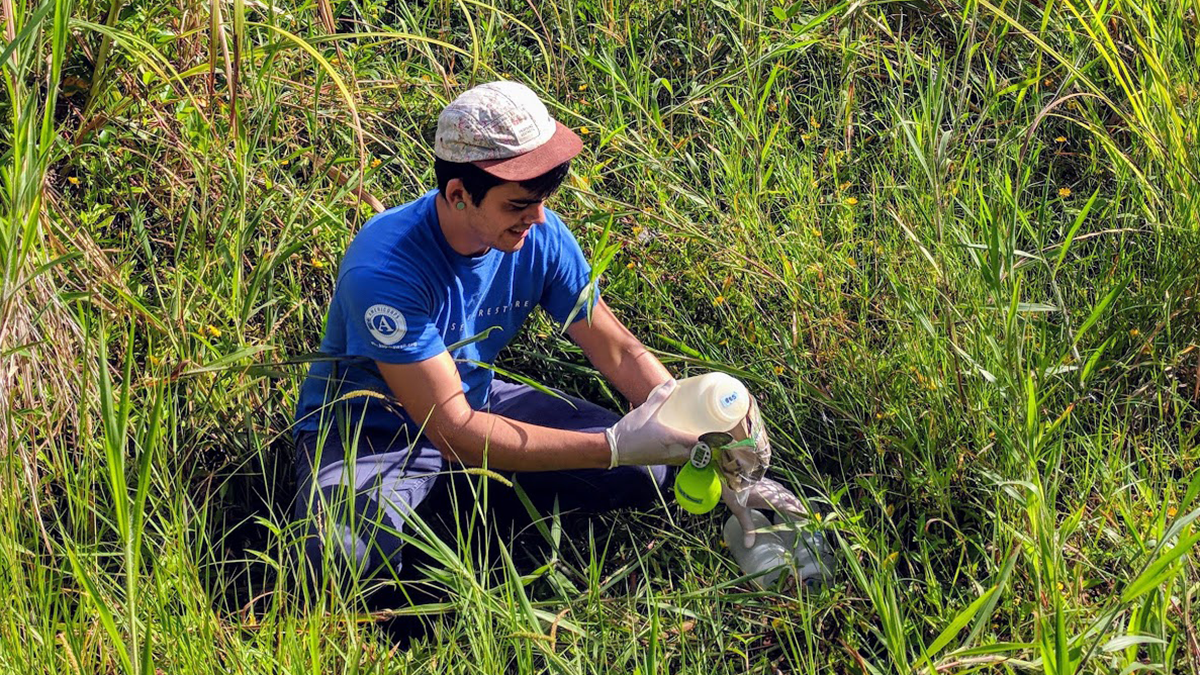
(705, 405)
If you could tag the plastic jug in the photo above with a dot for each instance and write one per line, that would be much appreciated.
(713, 402)
(769, 553)
(807, 557)
(812, 557)
(704, 403)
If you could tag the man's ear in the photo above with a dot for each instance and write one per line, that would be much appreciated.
(456, 192)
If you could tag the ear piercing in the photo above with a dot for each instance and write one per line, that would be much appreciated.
(460, 206)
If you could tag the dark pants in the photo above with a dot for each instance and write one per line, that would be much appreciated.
(357, 498)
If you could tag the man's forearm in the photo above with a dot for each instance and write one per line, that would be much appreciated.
(511, 445)
(618, 355)
(634, 371)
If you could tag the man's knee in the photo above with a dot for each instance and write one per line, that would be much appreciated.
(659, 481)
(661, 473)
(638, 486)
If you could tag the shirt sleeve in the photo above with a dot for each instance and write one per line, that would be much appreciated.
(388, 318)
(566, 281)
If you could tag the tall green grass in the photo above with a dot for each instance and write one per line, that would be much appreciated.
(952, 247)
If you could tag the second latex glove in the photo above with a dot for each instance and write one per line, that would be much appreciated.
(637, 439)
(763, 495)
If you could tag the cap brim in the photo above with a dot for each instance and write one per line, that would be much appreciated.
(563, 145)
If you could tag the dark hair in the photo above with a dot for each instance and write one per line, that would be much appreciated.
(477, 182)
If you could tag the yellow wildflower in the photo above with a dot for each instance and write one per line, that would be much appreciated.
(583, 131)
(72, 180)
(212, 330)
(1060, 139)
(317, 262)
(1133, 332)
(845, 185)
(155, 361)
(583, 87)
(851, 262)
(1171, 512)
(851, 201)
(778, 370)
(1064, 192)
(631, 266)
(375, 162)
(812, 121)
(719, 300)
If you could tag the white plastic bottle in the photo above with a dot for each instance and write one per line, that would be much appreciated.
(706, 403)
(768, 552)
(807, 558)
(812, 557)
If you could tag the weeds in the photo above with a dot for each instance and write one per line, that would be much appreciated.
(952, 249)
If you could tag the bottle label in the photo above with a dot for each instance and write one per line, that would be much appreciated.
(729, 399)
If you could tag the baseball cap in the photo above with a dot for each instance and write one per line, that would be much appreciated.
(503, 128)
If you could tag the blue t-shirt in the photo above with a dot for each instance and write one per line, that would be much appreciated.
(404, 295)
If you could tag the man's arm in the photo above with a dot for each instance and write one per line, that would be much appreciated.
(618, 355)
(431, 392)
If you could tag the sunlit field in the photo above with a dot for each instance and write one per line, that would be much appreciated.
(953, 248)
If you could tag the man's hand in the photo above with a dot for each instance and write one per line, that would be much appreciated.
(765, 494)
(639, 439)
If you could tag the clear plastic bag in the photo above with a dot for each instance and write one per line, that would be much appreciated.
(744, 453)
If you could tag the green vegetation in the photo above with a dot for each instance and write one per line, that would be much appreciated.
(953, 247)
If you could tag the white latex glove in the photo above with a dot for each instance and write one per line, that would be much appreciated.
(637, 439)
(763, 495)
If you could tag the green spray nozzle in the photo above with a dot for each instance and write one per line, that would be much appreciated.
(698, 485)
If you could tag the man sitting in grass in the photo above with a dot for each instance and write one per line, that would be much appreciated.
(430, 290)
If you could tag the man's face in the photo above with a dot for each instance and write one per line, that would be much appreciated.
(505, 216)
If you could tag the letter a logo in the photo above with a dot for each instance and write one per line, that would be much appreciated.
(385, 323)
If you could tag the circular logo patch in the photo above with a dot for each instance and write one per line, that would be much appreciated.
(386, 323)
